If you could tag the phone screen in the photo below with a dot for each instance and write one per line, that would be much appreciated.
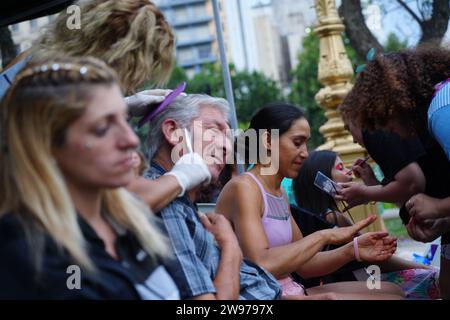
(326, 184)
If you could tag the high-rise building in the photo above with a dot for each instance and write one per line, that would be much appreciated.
(294, 19)
(194, 27)
(266, 35)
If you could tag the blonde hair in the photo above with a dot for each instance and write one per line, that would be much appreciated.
(131, 36)
(41, 104)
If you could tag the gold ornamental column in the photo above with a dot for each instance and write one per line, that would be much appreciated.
(335, 73)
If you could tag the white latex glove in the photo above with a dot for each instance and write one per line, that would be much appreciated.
(190, 171)
(138, 103)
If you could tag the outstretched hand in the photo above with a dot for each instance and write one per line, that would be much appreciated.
(376, 246)
(346, 234)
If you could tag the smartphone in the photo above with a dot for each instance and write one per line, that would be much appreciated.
(326, 184)
(168, 100)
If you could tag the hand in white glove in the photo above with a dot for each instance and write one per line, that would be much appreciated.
(190, 171)
(138, 103)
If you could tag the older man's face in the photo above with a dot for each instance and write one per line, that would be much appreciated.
(212, 139)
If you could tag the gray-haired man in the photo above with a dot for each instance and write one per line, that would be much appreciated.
(202, 269)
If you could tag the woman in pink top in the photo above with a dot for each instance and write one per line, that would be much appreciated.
(258, 208)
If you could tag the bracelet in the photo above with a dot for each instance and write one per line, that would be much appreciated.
(356, 249)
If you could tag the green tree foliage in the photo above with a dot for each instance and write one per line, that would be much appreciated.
(305, 84)
(393, 43)
(252, 90)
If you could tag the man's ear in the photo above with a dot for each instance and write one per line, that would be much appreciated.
(170, 131)
(266, 140)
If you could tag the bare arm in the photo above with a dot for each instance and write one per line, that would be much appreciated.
(246, 218)
(408, 181)
(158, 193)
(227, 280)
(327, 262)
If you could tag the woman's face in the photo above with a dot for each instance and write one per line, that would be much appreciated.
(339, 172)
(293, 148)
(97, 149)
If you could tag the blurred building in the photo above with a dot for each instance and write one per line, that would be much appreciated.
(193, 23)
(261, 35)
(24, 33)
(266, 35)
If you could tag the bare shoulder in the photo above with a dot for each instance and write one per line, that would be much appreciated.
(236, 193)
(242, 185)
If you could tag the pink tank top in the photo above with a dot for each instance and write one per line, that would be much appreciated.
(276, 218)
(276, 221)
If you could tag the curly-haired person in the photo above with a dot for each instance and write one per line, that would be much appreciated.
(408, 93)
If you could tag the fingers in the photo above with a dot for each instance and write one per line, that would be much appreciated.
(345, 184)
(205, 220)
(358, 162)
(413, 211)
(364, 223)
(357, 171)
(390, 240)
(378, 234)
(157, 92)
(410, 228)
(409, 204)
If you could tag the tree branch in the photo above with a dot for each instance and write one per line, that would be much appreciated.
(411, 12)
(361, 38)
(420, 10)
(435, 28)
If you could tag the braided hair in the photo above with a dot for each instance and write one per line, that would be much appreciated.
(45, 99)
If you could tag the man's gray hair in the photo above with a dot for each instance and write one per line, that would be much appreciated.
(184, 109)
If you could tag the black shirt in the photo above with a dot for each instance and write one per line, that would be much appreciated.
(136, 276)
(391, 152)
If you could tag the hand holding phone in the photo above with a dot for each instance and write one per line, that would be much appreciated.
(326, 184)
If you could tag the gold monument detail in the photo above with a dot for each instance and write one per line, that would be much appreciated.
(336, 73)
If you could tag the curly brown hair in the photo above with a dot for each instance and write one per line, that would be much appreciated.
(397, 85)
(131, 36)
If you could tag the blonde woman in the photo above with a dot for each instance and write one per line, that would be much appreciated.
(67, 227)
(134, 38)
